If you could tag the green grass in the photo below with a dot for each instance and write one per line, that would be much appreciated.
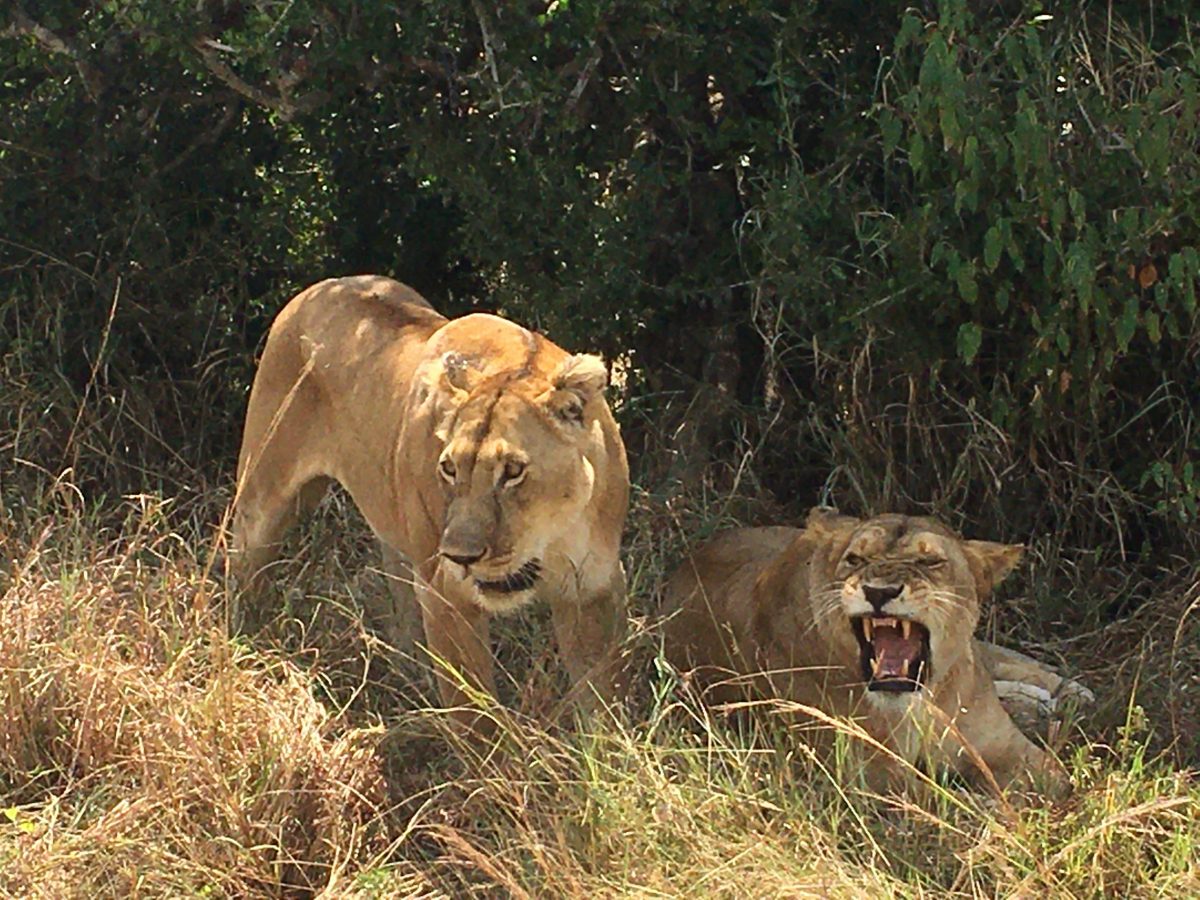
(144, 752)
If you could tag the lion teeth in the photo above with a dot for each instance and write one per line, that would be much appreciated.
(906, 628)
(867, 627)
(876, 665)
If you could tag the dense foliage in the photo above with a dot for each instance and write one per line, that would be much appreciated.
(938, 256)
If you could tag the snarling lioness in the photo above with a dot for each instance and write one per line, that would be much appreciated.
(483, 456)
(870, 619)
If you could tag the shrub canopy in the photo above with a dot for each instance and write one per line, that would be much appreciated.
(940, 256)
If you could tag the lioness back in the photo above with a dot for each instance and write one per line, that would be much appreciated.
(707, 599)
(482, 455)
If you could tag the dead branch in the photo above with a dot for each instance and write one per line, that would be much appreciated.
(491, 42)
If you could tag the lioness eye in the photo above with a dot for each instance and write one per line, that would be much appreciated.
(447, 468)
(514, 470)
(853, 560)
(932, 562)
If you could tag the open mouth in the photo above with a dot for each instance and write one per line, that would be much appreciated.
(894, 652)
(513, 583)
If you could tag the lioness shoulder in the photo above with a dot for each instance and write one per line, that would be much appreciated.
(483, 456)
(867, 618)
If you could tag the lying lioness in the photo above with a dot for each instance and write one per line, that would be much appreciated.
(483, 456)
(872, 619)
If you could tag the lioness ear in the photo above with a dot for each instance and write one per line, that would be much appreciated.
(826, 519)
(578, 381)
(991, 562)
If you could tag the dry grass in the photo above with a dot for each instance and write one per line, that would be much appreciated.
(143, 752)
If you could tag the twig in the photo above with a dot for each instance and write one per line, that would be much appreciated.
(488, 52)
(112, 312)
(204, 138)
(584, 77)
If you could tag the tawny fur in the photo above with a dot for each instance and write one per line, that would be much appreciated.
(472, 438)
(775, 604)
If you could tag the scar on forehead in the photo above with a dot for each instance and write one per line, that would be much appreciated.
(870, 537)
(924, 544)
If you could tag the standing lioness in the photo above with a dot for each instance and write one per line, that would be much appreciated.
(482, 455)
(872, 619)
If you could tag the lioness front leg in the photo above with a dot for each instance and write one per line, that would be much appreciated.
(397, 615)
(456, 635)
(589, 629)
(1004, 749)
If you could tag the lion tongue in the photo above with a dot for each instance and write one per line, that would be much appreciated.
(893, 651)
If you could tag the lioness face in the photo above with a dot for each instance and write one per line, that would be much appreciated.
(517, 482)
(905, 594)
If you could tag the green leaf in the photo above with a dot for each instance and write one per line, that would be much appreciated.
(1079, 271)
(930, 77)
(910, 30)
(1152, 326)
(1075, 201)
(971, 152)
(916, 152)
(993, 244)
(970, 336)
(968, 289)
(951, 130)
(1058, 215)
(1126, 325)
(1182, 269)
(891, 129)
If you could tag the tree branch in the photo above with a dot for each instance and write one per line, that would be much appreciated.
(489, 53)
(282, 103)
(23, 24)
(204, 138)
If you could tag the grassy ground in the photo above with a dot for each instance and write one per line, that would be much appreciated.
(144, 752)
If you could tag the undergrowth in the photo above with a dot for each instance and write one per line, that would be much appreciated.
(146, 752)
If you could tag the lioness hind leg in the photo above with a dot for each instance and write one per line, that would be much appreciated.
(262, 518)
(1033, 679)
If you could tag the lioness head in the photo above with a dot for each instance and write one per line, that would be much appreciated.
(902, 594)
(513, 467)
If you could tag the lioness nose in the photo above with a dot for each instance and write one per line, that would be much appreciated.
(879, 596)
(462, 555)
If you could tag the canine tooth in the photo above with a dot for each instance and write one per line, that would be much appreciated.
(876, 665)
(867, 627)
(906, 628)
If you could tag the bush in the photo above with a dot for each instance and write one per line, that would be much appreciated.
(933, 259)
